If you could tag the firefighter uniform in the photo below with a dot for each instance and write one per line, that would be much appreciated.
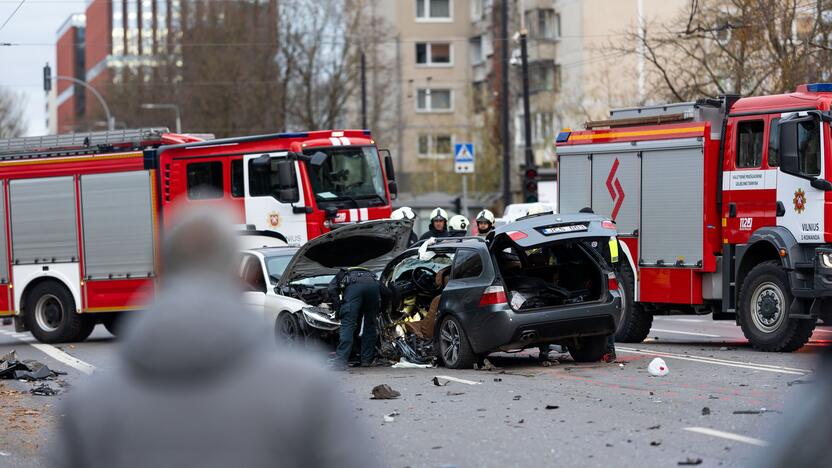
(360, 294)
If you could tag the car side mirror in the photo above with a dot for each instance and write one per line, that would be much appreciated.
(288, 182)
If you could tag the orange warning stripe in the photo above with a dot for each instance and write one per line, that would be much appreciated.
(639, 133)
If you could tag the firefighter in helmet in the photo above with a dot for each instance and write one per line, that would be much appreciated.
(458, 226)
(485, 222)
(438, 224)
(406, 212)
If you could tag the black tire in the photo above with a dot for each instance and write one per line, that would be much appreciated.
(635, 322)
(589, 349)
(287, 330)
(51, 316)
(113, 322)
(454, 349)
(764, 303)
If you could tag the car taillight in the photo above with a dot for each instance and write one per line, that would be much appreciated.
(517, 235)
(493, 295)
(607, 224)
(612, 282)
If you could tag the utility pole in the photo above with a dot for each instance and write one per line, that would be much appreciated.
(530, 176)
(504, 114)
(363, 91)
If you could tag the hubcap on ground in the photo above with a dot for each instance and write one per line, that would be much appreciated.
(768, 307)
(49, 313)
(449, 336)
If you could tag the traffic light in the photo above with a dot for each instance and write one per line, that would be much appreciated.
(458, 204)
(47, 78)
(530, 185)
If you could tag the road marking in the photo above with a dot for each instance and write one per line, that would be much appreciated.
(728, 435)
(454, 379)
(684, 333)
(54, 353)
(685, 320)
(719, 362)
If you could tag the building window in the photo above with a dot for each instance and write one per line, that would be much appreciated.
(478, 90)
(433, 10)
(541, 76)
(433, 53)
(750, 143)
(435, 146)
(543, 23)
(558, 78)
(477, 56)
(477, 10)
(205, 180)
(434, 100)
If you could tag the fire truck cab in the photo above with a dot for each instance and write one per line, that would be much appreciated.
(81, 215)
(724, 206)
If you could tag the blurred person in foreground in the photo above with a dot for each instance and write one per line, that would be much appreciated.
(199, 383)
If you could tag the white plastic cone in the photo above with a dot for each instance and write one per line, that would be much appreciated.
(658, 368)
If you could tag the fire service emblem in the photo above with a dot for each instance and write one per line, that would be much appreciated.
(799, 201)
(274, 219)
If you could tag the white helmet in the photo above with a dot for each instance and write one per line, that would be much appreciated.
(438, 213)
(404, 212)
(486, 215)
(537, 208)
(458, 223)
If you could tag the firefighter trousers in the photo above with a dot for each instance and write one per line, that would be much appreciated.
(361, 300)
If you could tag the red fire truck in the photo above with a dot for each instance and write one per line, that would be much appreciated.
(724, 206)
(81, 214)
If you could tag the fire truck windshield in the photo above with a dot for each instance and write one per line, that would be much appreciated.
(349, 177)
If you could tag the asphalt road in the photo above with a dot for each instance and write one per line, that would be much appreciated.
(522, 414)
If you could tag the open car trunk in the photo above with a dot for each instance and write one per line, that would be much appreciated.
(554, 260)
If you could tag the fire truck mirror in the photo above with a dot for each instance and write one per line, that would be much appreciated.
(288, 189)
(388, 166)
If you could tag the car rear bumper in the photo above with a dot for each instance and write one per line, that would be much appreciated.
(506, 329)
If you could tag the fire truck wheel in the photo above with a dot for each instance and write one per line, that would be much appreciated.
(112, 323)
(765, 298)
(635, 322)
(51, 317)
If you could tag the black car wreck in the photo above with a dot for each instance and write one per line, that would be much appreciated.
(544, 279)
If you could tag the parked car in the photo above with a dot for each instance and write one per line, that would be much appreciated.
(289, 284)
(541, 280)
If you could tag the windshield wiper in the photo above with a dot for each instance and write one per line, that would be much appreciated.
(344, 198)
(374, 196)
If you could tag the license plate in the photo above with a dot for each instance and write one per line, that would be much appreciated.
(563, 229)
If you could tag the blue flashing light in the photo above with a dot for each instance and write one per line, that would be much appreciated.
(562, 137)
(819, 87)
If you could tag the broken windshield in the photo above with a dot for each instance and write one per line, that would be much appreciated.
(349, 176)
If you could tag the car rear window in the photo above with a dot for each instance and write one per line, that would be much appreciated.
(467, 264)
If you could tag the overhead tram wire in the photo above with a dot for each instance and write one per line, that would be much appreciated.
(14, 12)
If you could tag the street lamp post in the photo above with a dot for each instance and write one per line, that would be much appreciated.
(47, 86)
(172, 107)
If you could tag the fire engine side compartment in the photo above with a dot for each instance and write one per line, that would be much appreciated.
(656, 192)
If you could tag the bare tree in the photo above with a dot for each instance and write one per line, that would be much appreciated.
(12, 123)
(747, 47)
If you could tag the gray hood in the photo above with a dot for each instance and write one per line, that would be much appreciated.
(196, 328)
(370, 245)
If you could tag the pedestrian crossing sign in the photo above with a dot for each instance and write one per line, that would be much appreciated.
(464, 158)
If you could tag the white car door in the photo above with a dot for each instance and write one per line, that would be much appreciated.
(254, 282)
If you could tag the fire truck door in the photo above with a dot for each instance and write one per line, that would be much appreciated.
(749, 188)
(263, 209)
(804, 204)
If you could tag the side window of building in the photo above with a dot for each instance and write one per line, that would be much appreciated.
(205, 180)
(774, 143)
(467, 264)
(237, 185)
(750, 143)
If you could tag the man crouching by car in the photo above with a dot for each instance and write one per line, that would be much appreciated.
(356, 294)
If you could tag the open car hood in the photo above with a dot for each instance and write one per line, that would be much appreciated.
(543, 229)
(370, 245)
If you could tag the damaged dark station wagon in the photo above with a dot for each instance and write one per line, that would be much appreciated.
(544, 279)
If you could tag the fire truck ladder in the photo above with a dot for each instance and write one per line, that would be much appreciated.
(70, 144)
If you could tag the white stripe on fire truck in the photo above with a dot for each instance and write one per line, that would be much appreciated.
(750, 180)
(353, 215)
(345, 141)
(363, 214)
(335, 141)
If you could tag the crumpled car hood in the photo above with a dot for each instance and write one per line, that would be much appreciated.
(370, 245)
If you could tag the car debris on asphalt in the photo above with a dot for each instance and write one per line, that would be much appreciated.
(390, 417)
(44, 390)
(405, 364)
(30, 369)
(690, 462)
(658, 368)
(384, 392)
(706, 411)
